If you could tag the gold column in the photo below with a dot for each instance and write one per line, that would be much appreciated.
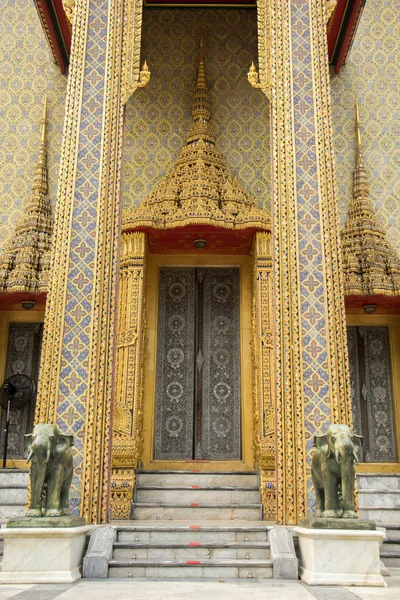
(311, 363)
(264, 380)
(128, 407)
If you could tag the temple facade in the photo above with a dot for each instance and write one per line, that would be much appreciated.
(200, 241)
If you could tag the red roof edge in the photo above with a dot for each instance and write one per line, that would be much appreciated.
(341, 27)
(341, 30)
(56, 29)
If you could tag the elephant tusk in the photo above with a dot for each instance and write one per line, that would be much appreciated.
(337, 456)
(48, 456)
(29, 456)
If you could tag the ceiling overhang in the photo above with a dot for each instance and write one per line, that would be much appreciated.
(341, 27)
(56, 29)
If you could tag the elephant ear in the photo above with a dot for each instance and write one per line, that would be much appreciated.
(321, 442)
(63, 443)
(358, 445)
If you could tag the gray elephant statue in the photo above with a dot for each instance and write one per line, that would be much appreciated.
(51, 471)
(333, 472)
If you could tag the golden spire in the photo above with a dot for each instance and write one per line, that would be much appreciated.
(201, 110)
(201, 128)
(24, 262)
(370, 264)
(199, 189)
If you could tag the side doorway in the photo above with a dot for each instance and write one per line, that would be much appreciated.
(21, 336)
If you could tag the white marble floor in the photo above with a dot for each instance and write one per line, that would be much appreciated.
(202, 590)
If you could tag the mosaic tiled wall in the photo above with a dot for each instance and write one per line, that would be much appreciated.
(27, 73)
(158, 116)
(373, 74)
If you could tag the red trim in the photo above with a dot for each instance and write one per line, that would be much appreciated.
(192, 562)
(351, 27)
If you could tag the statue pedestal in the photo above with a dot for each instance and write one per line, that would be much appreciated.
(43, 554)
(340, 556)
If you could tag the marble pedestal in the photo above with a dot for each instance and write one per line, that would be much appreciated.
(340, 557)
(43, 555)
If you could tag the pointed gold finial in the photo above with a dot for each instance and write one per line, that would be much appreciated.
(358, 124)
(201, 109)
(43, 124)
(370, 264)
(201, 57)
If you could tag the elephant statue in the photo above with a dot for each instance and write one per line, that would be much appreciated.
(51, 471)
(333, 472)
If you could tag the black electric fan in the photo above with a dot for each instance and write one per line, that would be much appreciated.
(15, 392)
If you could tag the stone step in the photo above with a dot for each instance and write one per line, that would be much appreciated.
(378, 481)
(380, 514)
(13, 494)
(374, 498)
(391, 563)
(390, 546)
(189, 478)
(192, 533)
(176, 512)
(8, 511)
(188, 569)
(201, 495)
(191, 550)
(9, 477)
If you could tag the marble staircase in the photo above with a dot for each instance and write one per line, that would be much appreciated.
(13, 493)
(379, 498)
(179, 495)
(390, 549)
(193, 525)
(190, 551)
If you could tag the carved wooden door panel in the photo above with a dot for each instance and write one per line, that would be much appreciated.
(198, 365)
(371, 392)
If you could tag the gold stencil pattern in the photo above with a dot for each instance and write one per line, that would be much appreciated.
(157, 117)
(372, 73)
(370, 264)
(27, 74)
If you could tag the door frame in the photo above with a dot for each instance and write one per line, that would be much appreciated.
(6, 318)
(392, 322)
(155, 262)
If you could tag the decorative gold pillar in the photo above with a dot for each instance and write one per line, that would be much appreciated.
(76, 376)
(311, 363)
(128, 405)
(264, 372)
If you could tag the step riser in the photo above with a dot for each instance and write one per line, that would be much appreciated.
(19, 495)
(9, 478)
(379, 483)
(391, 562)
(189, 513)
(383, 499)
(190, 553)
(8, 512)
(381, 516)
(200, 496)
(388, 547)
(192, 536)
(191, 572)
(188, 479)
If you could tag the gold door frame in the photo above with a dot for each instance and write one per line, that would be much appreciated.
(155, 262)
(392, 322)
